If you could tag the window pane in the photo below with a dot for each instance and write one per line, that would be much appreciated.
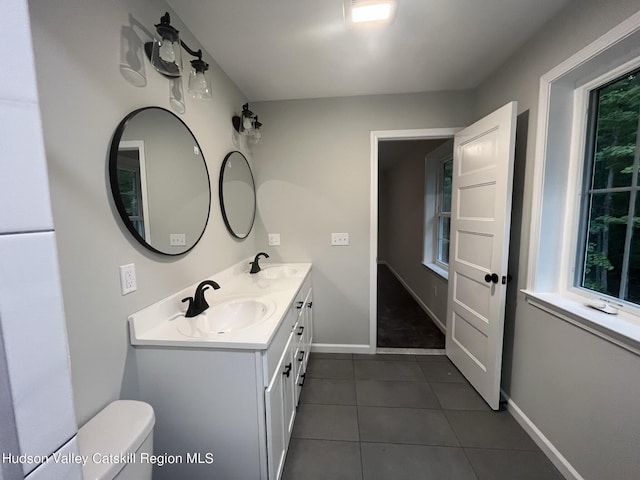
(443, 239)
(604, 249)
(446, 185)
(633, 285)
(129, 191)
(616, 127)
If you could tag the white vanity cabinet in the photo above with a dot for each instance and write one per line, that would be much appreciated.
(283, 391)
(280, 412)
(304, 334)
(235, 402)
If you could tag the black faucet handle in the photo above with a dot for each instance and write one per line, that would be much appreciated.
(190, 308)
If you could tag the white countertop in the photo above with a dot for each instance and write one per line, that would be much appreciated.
(158, 324)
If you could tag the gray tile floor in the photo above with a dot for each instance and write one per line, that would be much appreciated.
(397, 417)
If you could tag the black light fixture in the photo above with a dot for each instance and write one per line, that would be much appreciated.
(247, 123)
(166, 57)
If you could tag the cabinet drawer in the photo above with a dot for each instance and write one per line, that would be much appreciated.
(271, 355)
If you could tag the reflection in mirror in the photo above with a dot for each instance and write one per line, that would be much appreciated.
(237, 195)
(159, 181)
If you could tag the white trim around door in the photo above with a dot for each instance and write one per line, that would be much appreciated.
(377, 136)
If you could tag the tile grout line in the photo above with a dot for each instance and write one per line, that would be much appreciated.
(464, 452)
(358, 422)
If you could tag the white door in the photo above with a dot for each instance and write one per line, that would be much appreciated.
(478, 253)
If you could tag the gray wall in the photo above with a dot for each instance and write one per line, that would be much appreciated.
(83, 98)
(580, 391)
(313, 175)
(401, 214)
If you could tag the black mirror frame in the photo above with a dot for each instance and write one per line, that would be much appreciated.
(113, 180)
(224, 212)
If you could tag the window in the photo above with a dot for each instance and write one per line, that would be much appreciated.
(584, 243)
(437, 208)
(443, 213)
(609, 245)
(130, 192)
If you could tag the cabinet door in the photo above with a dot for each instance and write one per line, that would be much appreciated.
(289, 391)
(308, 330)
(279, 403)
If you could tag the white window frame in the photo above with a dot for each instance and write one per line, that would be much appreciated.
(558, 182)
(433, 168)
(440, 214)
(581, 114)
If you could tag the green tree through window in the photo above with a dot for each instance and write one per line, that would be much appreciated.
(611, 245)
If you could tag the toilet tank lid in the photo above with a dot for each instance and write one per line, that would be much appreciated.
(119, 429)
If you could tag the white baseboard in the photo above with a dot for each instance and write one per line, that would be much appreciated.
(412, 351)
(548, 448)
(339, 348)
(427, 310)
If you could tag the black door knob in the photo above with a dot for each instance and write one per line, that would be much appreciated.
(493, 278)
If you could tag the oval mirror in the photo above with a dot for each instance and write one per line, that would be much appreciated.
(159, 181)
(237, 194)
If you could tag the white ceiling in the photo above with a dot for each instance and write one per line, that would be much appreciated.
(285, 49)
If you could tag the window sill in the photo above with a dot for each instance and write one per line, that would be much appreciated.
(438, 270)
(622, 329)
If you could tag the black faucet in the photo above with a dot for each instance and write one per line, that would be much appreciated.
(255, 266)
(197, 303)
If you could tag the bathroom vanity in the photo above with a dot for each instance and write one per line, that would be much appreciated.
(225, 385)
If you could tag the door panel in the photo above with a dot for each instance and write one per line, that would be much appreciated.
(480, 224)
(475, 249)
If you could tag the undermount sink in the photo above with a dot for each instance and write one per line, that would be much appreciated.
(278, 271)
(227, 316)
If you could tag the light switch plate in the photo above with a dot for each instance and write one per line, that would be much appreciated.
(274, 239)
(128, 282)
(177, 239)
(338, 239)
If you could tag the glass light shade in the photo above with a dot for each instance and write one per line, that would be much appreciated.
(247, 124)
(199, 84)
(255, 136)
(176, 95)
(166, 57)
(132, 57)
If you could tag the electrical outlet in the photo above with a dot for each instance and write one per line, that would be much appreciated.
(339, 239)
(128, 278)
(177, 239)
(274, 239)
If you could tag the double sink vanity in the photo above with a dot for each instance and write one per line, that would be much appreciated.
(222, 367)
(225, 384)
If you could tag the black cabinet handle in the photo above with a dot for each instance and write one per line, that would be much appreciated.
(300, 329)
(302, 377)
(493, 278)
(301, 357)
(287, 370)
(299, 306)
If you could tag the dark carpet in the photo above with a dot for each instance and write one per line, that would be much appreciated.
(402, 323)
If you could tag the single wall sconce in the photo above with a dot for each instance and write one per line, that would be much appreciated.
(247, 124)
(166, 57)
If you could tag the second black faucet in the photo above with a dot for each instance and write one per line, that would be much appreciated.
(255, 266)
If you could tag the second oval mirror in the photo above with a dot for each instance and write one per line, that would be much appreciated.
(237, 194)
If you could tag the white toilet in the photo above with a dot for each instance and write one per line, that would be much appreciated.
(117, 441)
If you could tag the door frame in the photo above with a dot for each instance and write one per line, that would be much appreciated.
(377, 136)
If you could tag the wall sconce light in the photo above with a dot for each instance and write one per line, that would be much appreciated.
(166, 57)
(247, 124)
